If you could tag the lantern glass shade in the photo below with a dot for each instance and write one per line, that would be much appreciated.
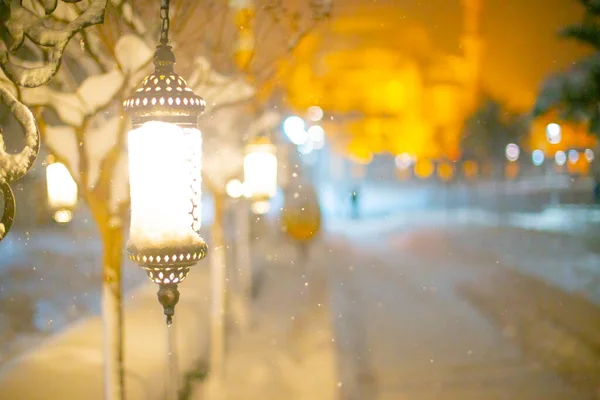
(62, 191)
(260, 169)
(165, 184)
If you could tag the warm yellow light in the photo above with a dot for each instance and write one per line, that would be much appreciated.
(260, 169)
(62, 189)
(445, 171)
(234, 188)
(470, 169)
(165, 178)
(63, 216)
(260, 207)
(424, 168)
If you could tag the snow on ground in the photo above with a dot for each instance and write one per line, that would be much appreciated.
(50, 276)
(288, 351)
(557, 244)
(404, 332)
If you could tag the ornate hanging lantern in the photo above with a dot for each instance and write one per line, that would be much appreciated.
(62, 192)
(165, 154)
(260, 172)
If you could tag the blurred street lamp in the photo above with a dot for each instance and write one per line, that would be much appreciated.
(553, 133)
(315, 113)
(560, 157)
(165, 175)
(537, 157)
(573, 156)
(260, 172)
(295, 129)
(62, 192)
(316, 135)
(512, 152)
(403, 161)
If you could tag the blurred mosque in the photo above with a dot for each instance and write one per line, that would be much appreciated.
(383, 85)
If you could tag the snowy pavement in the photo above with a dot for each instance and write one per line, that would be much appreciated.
(406, 330)
(50, 277)
(288, 352)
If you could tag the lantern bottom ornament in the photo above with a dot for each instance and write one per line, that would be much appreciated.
(168, 267)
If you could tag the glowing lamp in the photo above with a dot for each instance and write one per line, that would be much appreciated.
(165, 150)
(62, 192)
(260, 172)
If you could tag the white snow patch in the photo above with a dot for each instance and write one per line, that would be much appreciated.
(132, 53)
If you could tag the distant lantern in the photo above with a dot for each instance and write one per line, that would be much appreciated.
(62, 192)
(165, 154)
(260, 172)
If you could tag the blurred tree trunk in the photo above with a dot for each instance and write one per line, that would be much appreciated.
(218, 276)
(243, 263)
(111, 232)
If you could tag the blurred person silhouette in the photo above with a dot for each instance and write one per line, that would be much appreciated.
(354, 203)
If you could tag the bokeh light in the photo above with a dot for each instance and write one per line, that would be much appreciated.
(589, 154)
(403, 161)
(234, 188)
(445, 171)
(306, 148)
(317, 135)
(560, 157)
(294, 128)
(315, 113)
(470, 169)
(512, 152)
(573, 156)
(553, 133)
(424, 168)
(537, 157)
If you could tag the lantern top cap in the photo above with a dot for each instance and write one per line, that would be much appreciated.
(164, 95)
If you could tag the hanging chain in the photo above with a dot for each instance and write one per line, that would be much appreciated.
(164, 22)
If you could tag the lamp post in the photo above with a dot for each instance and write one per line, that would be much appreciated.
(260, 172)
(165, 174)
(62, 192)
(240, 215)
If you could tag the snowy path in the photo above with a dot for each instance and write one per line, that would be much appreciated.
(404, 331)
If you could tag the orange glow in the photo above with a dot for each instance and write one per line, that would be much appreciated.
(573, 135)
(511, 170)
(445, 171)
(424, 169)
(470, 169)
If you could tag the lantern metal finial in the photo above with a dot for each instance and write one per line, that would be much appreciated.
(168, 296)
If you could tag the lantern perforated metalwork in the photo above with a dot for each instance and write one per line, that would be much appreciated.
(165, 150)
